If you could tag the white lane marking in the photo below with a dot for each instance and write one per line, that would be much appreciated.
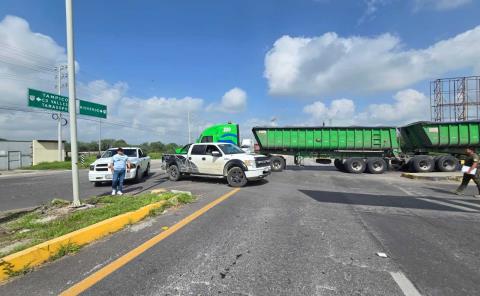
(403, 190)
(470, 204)
(449, 205)
(405, 284)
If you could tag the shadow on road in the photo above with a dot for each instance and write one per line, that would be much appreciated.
(403, 202)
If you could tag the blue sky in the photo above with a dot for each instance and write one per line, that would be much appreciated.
(202, 49)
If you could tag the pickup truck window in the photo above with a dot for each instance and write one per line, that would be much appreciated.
(127, 152)
(211, 148)
(198, 150)
(230, 149)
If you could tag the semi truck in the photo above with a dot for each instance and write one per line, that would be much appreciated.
(419, 147)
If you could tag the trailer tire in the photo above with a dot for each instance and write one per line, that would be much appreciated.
(278, 164)
(422, 164)
(447, 163)
(173, 173)
(376, 165)
(355, 165)
(236, 177)
(338, 163)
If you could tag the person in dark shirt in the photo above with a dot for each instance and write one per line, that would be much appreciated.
(472, 162)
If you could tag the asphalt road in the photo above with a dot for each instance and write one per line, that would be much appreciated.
(33, 189)
(304, 232)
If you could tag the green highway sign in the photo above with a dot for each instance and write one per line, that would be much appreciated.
(93, 109)
(46, 100)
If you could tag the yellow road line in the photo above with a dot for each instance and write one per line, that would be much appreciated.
(115, 265)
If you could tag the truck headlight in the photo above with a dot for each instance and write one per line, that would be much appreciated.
(92, 167)
(249, 163)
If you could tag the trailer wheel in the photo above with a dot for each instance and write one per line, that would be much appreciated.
(338, 163)
(376, 165)
(422, 164)
(173, 173)
(278, 164)
(355, 165)
(447, 163)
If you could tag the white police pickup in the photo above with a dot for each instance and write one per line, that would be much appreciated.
(140, 165)
(220, 160)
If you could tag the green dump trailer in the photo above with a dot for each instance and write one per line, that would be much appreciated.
(355, 149)
(419, 147)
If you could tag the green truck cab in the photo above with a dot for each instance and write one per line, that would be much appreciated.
(218, 133)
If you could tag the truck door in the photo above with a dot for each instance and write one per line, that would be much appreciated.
(198, 159)
(215, 163)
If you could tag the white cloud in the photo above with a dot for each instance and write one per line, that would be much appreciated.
(233, 101)
(408, 105)
(371, 9)
(439, 4)
(27, 59)
(299, 66)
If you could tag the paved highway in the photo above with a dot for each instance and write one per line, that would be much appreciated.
(33, 189)
(305, 232)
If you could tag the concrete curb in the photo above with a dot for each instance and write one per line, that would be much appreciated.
(431, 177)
(41, 253)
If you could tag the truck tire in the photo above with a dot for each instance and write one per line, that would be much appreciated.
(338, 163)
(422, 164)
(447, 163)
(236, 177)
(278, 164)
(138, 176)
(355, 165)
(173, 173)
(147, 171)
(376, 165)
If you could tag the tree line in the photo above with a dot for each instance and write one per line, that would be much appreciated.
(109, 143)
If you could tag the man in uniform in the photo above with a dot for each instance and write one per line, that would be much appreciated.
(471, 162)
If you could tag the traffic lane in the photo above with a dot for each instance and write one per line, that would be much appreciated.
(22, 191)
(265, 240)
(72, 269)
(432, 235)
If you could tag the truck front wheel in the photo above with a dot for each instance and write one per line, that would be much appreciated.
(236, 177)
(173, 173)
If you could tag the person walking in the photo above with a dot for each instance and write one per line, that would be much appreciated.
(471, 162)
(119, 165)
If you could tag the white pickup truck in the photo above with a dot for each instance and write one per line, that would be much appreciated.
(140, 165)
(220, 160)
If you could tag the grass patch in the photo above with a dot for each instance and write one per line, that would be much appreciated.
(105, 207)
(61, 165)
(64, 250)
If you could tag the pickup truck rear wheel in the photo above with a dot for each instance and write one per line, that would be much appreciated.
(173, 173)
(236, 177)
(147, 171)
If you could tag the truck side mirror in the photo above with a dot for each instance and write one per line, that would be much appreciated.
(216, 154)
(98, 156)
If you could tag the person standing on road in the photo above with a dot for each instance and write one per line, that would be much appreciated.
(472, 162)
(119, 165)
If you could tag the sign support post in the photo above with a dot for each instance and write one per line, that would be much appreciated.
(71, 102)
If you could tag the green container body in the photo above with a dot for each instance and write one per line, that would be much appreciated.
(440, 136)
(323, 140)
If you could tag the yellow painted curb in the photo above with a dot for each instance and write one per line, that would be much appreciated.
(41, 253)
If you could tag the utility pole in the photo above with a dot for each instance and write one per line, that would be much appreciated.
(72, 105)
(59, 119)
(189, 133)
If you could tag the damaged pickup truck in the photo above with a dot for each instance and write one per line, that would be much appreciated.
(218, 160)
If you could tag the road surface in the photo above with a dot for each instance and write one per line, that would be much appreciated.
(304, 232)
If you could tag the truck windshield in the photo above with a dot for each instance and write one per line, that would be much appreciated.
(127, 152)
(230, 149)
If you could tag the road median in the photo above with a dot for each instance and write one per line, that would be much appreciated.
(434, 176)
(67, 233)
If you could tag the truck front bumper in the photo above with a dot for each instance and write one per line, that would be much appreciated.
(257, 173)
(105, 176)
